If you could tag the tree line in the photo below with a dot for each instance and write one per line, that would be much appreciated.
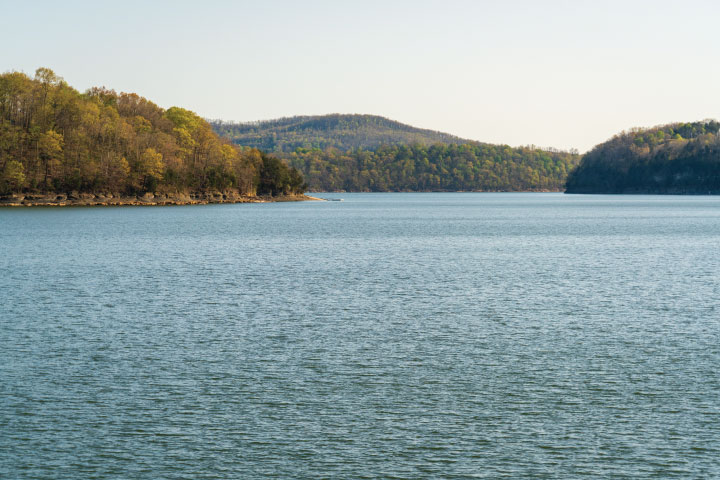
(340, 131)
(675, 158)
(439, 167)
(56, 139)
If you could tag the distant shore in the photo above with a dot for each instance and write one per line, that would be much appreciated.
(148, 199)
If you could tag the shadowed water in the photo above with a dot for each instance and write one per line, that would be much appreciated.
(386, 336)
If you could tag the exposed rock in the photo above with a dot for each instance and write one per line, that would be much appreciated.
(104, 199)
(13, 199)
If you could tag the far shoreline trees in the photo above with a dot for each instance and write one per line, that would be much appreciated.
(370, 153)
(678, 158)
(440, 167)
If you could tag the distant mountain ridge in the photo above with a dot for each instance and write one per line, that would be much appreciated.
(369, 153)
(341, 131)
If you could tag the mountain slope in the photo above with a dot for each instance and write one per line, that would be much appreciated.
(679, 158)
(361, 153)
(324, 131)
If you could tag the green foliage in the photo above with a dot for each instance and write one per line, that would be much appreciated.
(466, 167)
(184, 119)
(676, 158)
(328, 131)
(151, 168)
(371, 153)
(276, 178)
(13, 176)
(53, 138)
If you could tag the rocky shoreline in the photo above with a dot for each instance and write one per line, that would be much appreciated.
(148, 199)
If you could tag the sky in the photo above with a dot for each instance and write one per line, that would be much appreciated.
(562, 74)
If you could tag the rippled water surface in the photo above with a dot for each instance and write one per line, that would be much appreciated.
(386, 336)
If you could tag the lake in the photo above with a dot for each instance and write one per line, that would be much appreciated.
(399, 335)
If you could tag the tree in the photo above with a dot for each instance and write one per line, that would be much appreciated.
(13, 176)
(50, 146)
(274, 176)
(117, 174)
(150, 169)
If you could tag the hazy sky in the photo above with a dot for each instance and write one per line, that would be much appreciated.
(567, 74)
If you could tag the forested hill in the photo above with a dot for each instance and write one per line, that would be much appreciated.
(362, 153)
(328, 131)
(679, 158)
(54, 139)
(440, 167)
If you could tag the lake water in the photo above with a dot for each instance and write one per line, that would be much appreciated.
(449, 335)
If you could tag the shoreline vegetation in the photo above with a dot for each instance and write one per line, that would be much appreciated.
(673, 159)
(368, 153)
(62, 147)
(75, 199)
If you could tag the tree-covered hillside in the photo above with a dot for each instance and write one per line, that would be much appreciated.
(679, 158)
(370, 153)
(328, 131)
(466, 167)
(55, 139)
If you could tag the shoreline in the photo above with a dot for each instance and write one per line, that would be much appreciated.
(441, 191)
(148, 199)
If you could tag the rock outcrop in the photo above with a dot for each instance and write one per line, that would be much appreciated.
(147, 199)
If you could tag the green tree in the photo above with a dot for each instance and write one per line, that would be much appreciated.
(13, 176)
(50, 146)
(150, 168)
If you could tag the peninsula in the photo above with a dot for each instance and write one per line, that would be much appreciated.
(62, 147)
(678, 158)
